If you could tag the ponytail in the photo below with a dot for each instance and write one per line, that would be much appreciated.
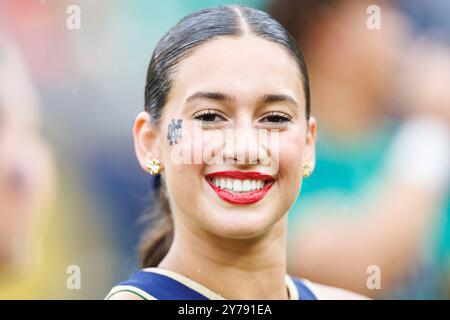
(156, 241)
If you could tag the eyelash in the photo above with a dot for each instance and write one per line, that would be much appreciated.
(211, 112)
(280, 115)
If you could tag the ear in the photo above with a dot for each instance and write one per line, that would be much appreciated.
(310, 143)
(146, 139)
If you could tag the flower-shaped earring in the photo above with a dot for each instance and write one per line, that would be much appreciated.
(154, 167)
(306, 170)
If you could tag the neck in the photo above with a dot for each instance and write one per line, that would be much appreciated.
(233, 268)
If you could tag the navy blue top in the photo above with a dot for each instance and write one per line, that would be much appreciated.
(163, 287)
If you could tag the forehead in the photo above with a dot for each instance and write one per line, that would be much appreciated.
(243, 66)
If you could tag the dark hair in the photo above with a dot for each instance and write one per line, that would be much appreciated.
(189, 33)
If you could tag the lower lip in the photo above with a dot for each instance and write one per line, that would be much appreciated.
(241, 198)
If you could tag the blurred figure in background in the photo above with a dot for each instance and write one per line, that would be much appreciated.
(44, 232)
(379, 194)
(27, 177)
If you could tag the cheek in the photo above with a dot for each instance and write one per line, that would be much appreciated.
(291, 152)
(183, 168)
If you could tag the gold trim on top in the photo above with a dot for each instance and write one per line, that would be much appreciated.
(139, 292)
(187, 282)
(291, 287)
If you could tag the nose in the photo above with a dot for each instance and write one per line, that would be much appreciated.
(245, 146)
(241, 146)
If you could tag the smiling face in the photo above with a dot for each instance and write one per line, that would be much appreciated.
(230, 93)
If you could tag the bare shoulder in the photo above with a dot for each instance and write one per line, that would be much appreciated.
(124, 295)
(324, 292)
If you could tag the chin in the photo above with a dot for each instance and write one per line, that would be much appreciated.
(240, 224)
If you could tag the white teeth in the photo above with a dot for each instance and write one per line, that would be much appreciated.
(238, 185)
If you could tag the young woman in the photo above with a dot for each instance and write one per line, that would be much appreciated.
(228, 84)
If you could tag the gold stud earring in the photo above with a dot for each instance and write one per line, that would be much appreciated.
(306, 170)
(154, 167)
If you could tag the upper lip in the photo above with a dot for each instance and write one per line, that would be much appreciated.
(235, 174)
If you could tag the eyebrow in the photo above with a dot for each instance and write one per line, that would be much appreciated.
(268, 98)
(219, 96)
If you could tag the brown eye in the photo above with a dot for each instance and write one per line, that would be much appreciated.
(209, 116)
(276, 117)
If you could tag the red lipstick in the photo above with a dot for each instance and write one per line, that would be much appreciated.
(244, 197)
